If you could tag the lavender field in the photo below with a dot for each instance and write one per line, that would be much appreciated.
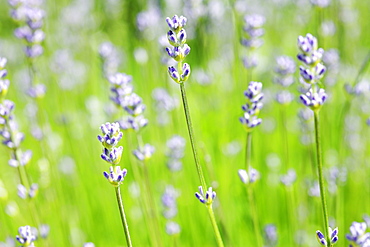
(184, 123)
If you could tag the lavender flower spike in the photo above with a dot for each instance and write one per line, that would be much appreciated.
(207, 198)
(26, 237)
(252, 108)
(177, 38)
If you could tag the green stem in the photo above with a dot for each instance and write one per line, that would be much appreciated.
(150, 204)
(248, 151)
(214, 224)
(362, 69)
(199, 168)
(321, 177)
(191, 135)
(123, 216)
(254, 215)
(285, 137)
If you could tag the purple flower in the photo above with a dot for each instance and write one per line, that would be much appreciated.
(285, 65)
(185, 72)
(178, 52)
(307, 44)
(115, 175)
(172, 71)
(284, 97)
(26, 236)
(34, 51)
(314, 100)
(358, 234)
(133, 104)
(271, 234)
(206, 198)
(37, 91)
(289, 178)
(144, 153)
(111, 134)
(248, 177)
(120, 80)
(113, 155)
(333, 237)
(176, 23)
(172, 228)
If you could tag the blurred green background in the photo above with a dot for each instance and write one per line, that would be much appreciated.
(74, 198)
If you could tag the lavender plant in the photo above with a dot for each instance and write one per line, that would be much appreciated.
(253, 29)
(271, 235)
(12, 139)
(285, 68)
(30, 17)
(109, 139)
(170, 210)
(250, 120)
(124, 97)
(315, 97)
(179, 50)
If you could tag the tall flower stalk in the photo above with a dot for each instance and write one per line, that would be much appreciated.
(250, 120)
(177, 38)
(110, 137)
(253, 32)
(311, 74)
(124, 97)
(12, 139)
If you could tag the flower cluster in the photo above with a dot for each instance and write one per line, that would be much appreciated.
(110, 58)
(333, 237)
(4, 83)
(253, 106)
(358, 235)
(336, 176)
(176, 148)
(206, 198)
(115, 175)
(26, 237)
(144, 153)
(248, 177)
(177, 38)
(270, 235)
(312, 72)
(289, 178)
(254, 31)
(12, 138)
(285, 68)
(124, 97)
(170, 209)
(29, 14)
(24, 193)
(110, 137)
